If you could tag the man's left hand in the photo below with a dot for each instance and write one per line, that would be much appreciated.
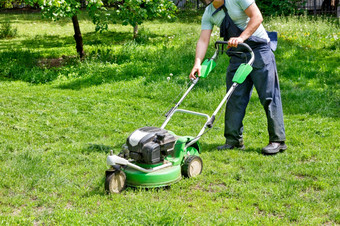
(233, 42)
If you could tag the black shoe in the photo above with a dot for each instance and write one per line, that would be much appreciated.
(229, 147)
(274, 147)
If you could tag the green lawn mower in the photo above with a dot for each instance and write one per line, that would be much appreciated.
(156, 157)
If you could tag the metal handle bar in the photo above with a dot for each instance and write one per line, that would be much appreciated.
(210, 120)
(193, 113)
(251, 61)
(226, 43)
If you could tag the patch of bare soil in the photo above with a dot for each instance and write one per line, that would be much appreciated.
(55, 62)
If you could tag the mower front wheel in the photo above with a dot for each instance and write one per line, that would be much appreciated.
(115, 181)
(192, 166)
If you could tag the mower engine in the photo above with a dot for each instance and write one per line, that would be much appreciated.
(150, 145)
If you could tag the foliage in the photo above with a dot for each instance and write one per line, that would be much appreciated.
(9, 3)
(56, 9)
(58, 124)
(134, 12)
(279, 7)
(5, 4)
(6, 30)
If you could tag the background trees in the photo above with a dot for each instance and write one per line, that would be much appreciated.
(279, 7)
(127, 12)
(56, 9)
(134, 12)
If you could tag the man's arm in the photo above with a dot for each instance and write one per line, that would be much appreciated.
(201, 49)
(255, 21)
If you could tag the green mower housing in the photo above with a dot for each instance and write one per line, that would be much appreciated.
(184, 161)
(166, 176)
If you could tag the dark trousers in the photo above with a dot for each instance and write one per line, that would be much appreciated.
(265, 79)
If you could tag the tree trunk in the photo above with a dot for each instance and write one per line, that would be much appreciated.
(77, 36)
(135, 31)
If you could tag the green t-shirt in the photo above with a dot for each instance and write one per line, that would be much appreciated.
(236, 12)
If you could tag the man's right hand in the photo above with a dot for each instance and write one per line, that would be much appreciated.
(196, 70)
(201, 49)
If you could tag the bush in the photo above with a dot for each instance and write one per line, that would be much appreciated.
(278, 7)
(7, 31)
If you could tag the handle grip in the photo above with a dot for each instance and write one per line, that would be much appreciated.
(223, 43)
(226, 43)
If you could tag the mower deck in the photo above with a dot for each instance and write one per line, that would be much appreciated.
(160, 178)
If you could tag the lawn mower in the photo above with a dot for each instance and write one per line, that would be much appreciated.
(156, 157)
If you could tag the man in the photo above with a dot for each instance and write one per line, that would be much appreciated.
(241, 21)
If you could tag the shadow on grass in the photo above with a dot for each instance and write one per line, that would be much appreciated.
(47, 41)
(213, 147)
(309, 79)
(101, 148)
(107, 38)
(257, 150)
(299, 64)
(308, 76)
(177, 61)
(5, 79)
(99, 189)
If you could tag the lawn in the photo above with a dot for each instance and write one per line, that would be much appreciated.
(60, 117)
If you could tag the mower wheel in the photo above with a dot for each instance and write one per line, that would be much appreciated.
(115, 182)
(192, 166)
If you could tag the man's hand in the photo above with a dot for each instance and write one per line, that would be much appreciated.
(195, 70)
(255, 21)
(201, 49)
(233, 42)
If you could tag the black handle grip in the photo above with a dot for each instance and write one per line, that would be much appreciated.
(226, 43)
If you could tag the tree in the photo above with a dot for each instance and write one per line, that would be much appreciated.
(57, 9)
(134, 12)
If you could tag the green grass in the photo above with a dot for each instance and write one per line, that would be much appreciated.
(57, 125)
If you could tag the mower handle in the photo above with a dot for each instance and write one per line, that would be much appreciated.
(226, 43)
(245, 45)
